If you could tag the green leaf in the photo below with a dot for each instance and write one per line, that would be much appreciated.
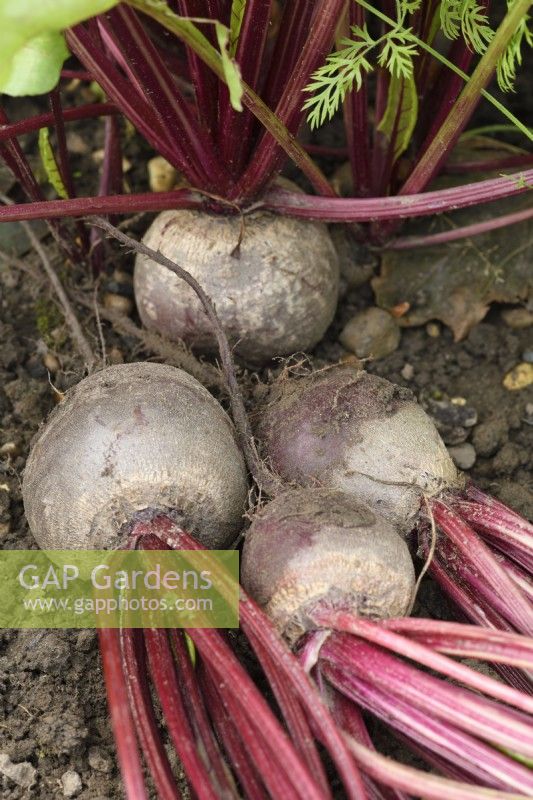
(50, 164)
(231, 69)
(237, 14)
(401, 113)
(33, 46)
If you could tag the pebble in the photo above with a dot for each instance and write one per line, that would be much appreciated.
(490, 435)
(356, 262)
(161, 174)
(463, 455)
(527, 356)
(518, 317)
(433, 330)
(452, 418)
(372, 333)
(71, 783)
(519, 377)
(23, 774)
(408, 372)
(118, 303)
(99, 761)
(9, 449)
(528, 419)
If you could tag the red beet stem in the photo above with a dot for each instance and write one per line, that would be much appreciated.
(230, 736)
(273, 775)
(242, 690)
(474, 551)
(198, 718)
(144, 715)
(122, 722)
(164, 677)
(261, 633)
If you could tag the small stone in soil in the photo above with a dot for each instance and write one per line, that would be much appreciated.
(464, 455)
(490, 435)
(528, 419)
(118, 303)
(517, 317)
(527, 356)
(408, 372)
(71, 783)
(452, 418)
(519, 377)
(373, 333)
(433, 330)
(99, 761)
(23, 774)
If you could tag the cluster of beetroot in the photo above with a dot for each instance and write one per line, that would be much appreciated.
(328, 584)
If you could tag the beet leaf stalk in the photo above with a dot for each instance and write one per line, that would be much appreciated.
(303, 561)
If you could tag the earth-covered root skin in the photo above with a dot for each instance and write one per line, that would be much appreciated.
(275, 293)
(353, 431)
(311, 548)
(129, 438)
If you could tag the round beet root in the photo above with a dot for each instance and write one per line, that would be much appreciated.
(359, 433)
(129, 438)
(311, 547)
(275, 294)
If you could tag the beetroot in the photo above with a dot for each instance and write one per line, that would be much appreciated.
(320, 547)
(350, 430)
(318, 562)
(274, 281)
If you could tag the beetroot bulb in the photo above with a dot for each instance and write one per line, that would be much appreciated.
(274, 281)
(347, 429)
(132, 454)
(336, 578)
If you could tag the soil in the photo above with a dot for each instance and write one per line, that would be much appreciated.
(52, 702)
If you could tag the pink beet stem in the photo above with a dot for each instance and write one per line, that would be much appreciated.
(503, 532)
(473, 550)
(230, 736)
(466, 574)
(349, 718)
(481, 613)
(123, 727)
(479, 761)
(144, 715)
(430, 787)
(466, 641)
(466, 710)
(296, 722)
(473, 493)
(401, 646)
